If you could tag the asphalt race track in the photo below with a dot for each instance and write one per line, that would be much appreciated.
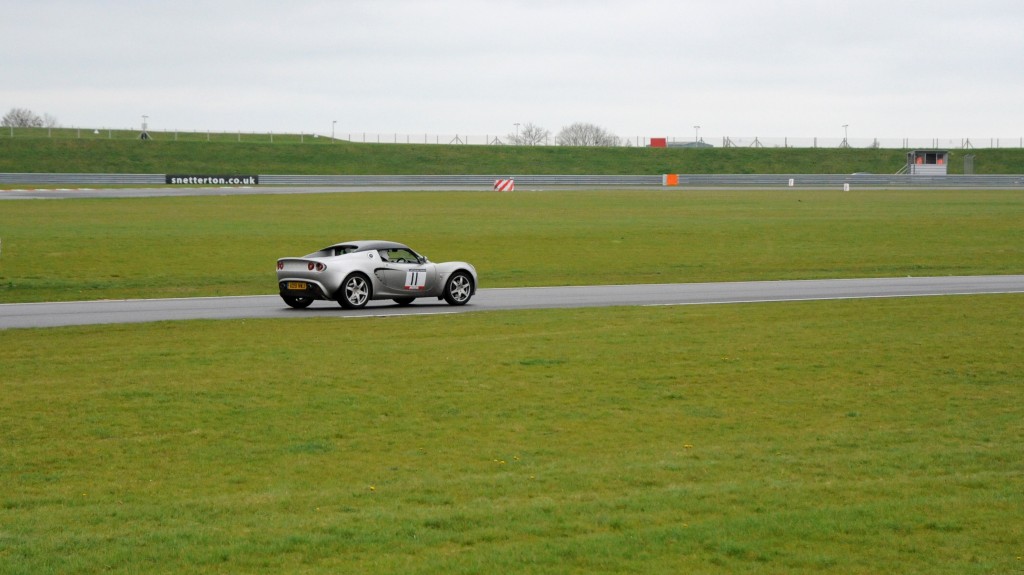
(34, 315)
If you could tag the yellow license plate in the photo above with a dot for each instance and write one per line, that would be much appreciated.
(297, 285)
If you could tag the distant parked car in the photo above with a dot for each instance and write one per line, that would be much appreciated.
(353, 273)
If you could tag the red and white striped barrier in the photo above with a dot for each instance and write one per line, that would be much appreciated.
(508, 185)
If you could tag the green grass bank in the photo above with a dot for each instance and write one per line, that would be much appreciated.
(308, 156)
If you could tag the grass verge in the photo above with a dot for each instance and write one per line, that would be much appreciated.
(227, 245)
(871, 436)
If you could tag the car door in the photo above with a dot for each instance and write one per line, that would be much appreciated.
(405, 275)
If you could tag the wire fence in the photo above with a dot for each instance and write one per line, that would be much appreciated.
(509, 139)
(703, 142)
(173, 135)
(886, 143)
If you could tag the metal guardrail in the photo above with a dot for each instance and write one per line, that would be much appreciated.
(83, 179)
(855, 180)
(828, 181)
(485, 181)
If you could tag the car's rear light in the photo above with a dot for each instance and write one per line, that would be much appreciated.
(280, 265)
(320, 267)
(310, 266)
(316, 266)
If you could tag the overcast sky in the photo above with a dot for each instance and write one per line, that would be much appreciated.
(933, 68)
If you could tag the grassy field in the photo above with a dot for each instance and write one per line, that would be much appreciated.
(290, 155)
(201, 246)
(879, 436)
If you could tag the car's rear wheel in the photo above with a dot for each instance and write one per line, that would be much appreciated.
(404, 300)
(355, 292)
(297, 302)
(459, 289)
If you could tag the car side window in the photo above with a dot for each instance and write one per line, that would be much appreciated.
(402, 256)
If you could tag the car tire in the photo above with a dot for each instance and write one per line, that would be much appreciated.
(355, 292)
(459, 289)
(404, 300)
(297, 302)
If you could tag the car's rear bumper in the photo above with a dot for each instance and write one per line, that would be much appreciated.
(289, 287)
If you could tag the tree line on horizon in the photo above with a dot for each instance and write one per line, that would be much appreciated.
(25, 118)
(576, 134)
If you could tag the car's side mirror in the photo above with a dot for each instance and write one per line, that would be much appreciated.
(422, 259)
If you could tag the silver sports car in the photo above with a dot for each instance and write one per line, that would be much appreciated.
(353, 273)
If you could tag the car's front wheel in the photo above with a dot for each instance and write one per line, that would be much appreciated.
(355, 292)
(459, 289)
(297, 302)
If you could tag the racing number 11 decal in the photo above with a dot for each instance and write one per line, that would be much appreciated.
(415, 279)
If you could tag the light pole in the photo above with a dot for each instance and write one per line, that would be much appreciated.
(517, 132)
(846, 136)
(333, 122)
(696, 134)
